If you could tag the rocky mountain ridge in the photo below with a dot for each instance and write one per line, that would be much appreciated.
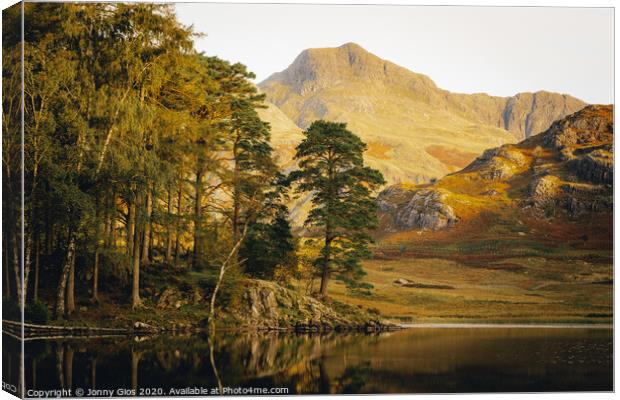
(314, 70)
(566, 171)
(415, 130)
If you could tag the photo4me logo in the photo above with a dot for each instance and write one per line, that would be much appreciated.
(253, 390)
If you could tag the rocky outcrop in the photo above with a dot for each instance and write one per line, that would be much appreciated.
(267, 305)
(580, 199)
(173, 298)
(498, 164)
(543, 191)
(590, 126)
(565, 172)
(263, 305)
(418, 209)
(597, 166)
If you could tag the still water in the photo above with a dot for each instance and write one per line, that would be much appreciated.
(419, 360)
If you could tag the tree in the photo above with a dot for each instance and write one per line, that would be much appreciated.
(269, 245)
(136, 147)
(331, 167)
(94, 81)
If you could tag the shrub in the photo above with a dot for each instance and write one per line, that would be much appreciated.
(37, 312)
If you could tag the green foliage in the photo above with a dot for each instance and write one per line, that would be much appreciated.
(331, 167)
(37, 312)
(267, 247)
(136, 146)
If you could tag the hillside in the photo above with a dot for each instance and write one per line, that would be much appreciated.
(415, 130)
(285, 135)
(562, 176)
(524, 233)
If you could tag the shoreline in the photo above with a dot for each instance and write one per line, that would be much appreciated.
(508, 325)
(93, 332)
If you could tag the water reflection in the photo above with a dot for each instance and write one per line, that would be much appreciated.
(416, 360)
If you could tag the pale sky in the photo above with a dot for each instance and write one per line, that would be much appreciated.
(497, 50)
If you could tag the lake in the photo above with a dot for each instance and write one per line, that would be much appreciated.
(418, 360)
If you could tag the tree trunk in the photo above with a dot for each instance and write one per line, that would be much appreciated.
(71, 288)
(220, 278)
(169, 227)
(112, 231)
(135, 287)
(327, 264)
(328, 230)
(48, 234)
(62, 285)
(95, 296)
(27, 264)
(177, 239)
(325, 279)
(95, 290)
(37, 256)
(107, 226)
(197, 220)
(146, 240)
(16, 268)
(152, 241)
(131, 218)
(236, 201)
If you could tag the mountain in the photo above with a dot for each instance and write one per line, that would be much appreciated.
(559, 182)
(415, 131)
(285, 135)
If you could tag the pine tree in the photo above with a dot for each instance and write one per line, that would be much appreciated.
(331, 167)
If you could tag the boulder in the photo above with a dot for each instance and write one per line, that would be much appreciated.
(426, 210)
(144, 327)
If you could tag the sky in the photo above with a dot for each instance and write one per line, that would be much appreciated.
(497, 50)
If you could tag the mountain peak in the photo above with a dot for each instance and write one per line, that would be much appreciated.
(356, 49)
(318, 68)
(352, 45)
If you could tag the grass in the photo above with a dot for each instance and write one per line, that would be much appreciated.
(543, 289)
